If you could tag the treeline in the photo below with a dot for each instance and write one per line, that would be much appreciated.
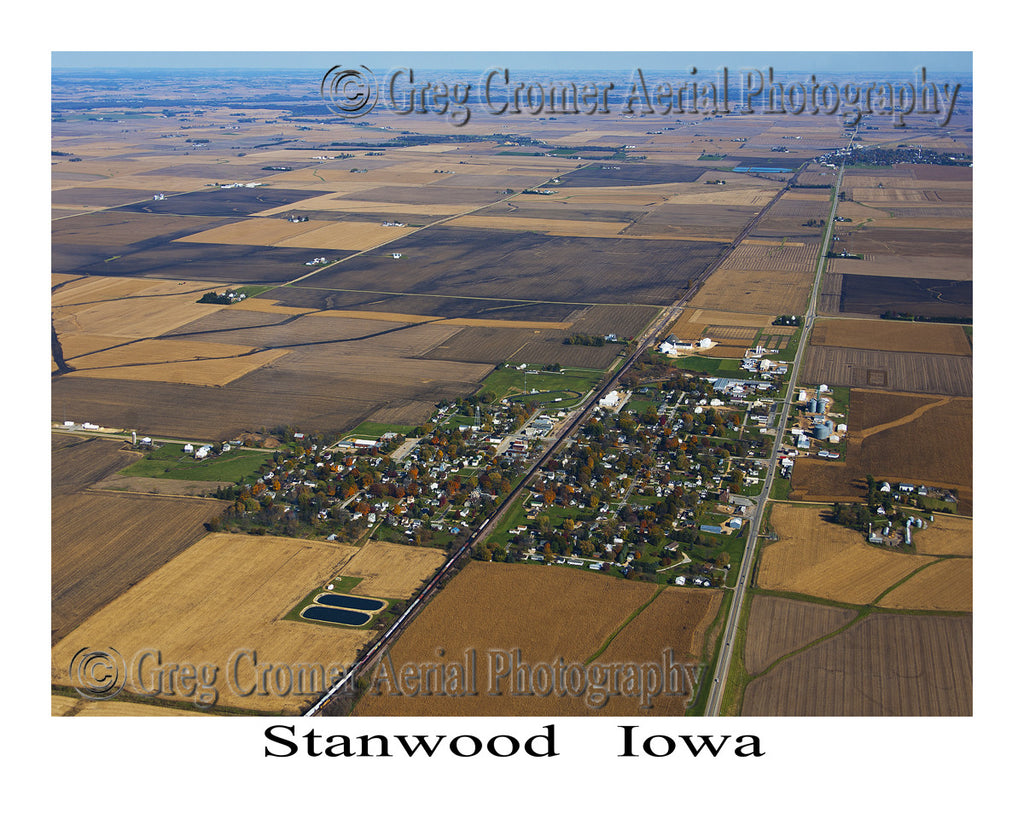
(894, 316)
(214, 298)
(583, 340)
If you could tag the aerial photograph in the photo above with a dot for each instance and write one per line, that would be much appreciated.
(477, 384)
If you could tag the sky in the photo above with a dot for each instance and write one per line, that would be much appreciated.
(823, 61)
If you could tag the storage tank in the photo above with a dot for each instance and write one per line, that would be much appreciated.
(822, 431)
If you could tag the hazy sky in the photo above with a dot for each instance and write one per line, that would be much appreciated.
(823, 61)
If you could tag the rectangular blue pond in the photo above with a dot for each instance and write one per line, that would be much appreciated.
(344, 617)
(347, 601)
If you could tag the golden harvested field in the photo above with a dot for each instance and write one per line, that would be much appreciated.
(944, 586)
(909, 337)
(317, 234)
(225, 593)
(821, 559)
(61, 706)
(204, 363)
(347, 236)
(547, 612)
(707, 317)
(129, 308)
(946, 535)
(860, 213)
(778, 625)
(775, 291)
(884, 665)
(678, 618)
(330, 201)
(552, 227)
(391, 569)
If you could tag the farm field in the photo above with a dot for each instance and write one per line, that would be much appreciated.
(348, 236)
(929, 373)
(391, 569)
(102, 543)
(79, 461)
(182, 362)
(885, 665)
(192, 616)
(903, 447)
(895, 336)
(230, 202)
(947, 277)
(929, 297)
(345, 368)
(495, 345)
(127, 308)
(447, 260)
(815, 557)
(453, 306)
(768, 290)
(778, 625)
(61, 706)
(616, 174)
(946, 535)
(548, 613)
(943, 586)
(225, 264)
(773, 255)
(886, 241)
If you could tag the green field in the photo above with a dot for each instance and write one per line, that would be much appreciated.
(169, 461)
(725, 367)
(374, 429)
(505, 382)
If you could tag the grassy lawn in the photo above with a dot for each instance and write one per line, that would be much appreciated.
(169, 461)
(781, 488)
(840, 402)
(788, 353)
(725, 367)
(374, 429)
(552, 398)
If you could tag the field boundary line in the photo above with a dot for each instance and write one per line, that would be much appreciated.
(903, 580)
(150, 494)
(604, 646)
(906, 419)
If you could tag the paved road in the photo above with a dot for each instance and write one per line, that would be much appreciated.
(721, 671)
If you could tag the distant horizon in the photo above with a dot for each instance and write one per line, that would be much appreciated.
(946, 62)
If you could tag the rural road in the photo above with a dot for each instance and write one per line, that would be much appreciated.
(721, 671)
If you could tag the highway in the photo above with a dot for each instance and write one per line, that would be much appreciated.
(721, 670)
